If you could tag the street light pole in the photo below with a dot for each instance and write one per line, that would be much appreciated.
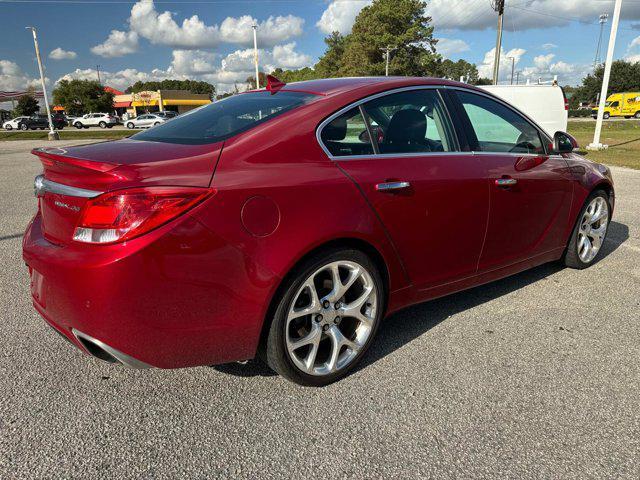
(596, 145)
(387, 55)
(602, 20)
(513, 67)
(53, 135)
(498, 6)
(255, 53)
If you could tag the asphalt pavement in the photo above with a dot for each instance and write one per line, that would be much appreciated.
(534, 376)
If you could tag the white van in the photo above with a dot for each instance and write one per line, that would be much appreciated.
(547, 105)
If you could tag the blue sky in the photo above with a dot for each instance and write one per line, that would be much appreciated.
(211, 39)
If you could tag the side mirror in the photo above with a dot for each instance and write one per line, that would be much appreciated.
(563, 143)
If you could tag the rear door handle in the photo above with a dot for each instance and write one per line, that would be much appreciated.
(505, 182)
(391, 186)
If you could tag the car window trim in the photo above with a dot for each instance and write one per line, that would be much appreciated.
(361, 101)
(544, 138)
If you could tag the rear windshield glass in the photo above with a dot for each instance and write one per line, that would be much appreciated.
(225, 118)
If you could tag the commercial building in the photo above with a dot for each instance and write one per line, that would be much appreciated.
(160, 100)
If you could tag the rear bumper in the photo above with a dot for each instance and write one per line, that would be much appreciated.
(179, 296)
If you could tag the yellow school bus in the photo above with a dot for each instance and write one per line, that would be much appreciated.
(626, 104)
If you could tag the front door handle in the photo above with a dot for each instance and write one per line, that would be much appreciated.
(505, 182)
(392, 186)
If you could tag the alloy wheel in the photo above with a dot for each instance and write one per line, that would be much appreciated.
(331, 318)
(593, 228)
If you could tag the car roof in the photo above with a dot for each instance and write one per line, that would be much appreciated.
(332, 86)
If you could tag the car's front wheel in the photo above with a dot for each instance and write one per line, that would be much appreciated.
(78, 125)
(326, 317)
(130, 125)
(8, 126)
(589, 232)
(24, 127)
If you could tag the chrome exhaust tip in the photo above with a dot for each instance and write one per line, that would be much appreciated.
(104, 352)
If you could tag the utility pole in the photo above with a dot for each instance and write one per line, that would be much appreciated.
(53, 135)
(603, 20)
(387, 55)
(596, 145)
(498, 6)
(255, 53)
(98, 72)
(513, 67)
(518, 77)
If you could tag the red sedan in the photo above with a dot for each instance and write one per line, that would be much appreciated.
(286, 223)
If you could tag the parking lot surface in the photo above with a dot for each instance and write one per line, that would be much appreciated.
(534, 376)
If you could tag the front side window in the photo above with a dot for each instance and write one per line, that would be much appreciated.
(498, 128)
(414, 121)
(225, 118)
(347, 135)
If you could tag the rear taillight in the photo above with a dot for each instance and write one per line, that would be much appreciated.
(125, 214)
(566, 103)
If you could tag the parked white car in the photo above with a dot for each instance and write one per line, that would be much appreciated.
(546, 105)
(147, 120)
(13, 123)
(102, 120)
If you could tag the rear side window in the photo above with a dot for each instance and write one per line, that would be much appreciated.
(498, 128)
(225, 118)
(347, 135)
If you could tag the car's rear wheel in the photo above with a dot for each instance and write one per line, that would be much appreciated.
(326, 318)
(24, 127)
(637, 114)
(130, 125)
(102, 124)
(590, 231)
(606, 115)
(8, 127)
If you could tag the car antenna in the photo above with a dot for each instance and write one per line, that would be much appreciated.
(273, 84)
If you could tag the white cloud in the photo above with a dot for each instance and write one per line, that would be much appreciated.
(633, 51)
(546, 67)
(13, 78)
(485, 69)
(161, 28)
(549, 46)
(193, 62)
(193, 33)
(224, 72)
(60, 54)
(119, 80)
(478, 15)
(270, 32)
(117, 44)
(340, 16)
(450, 46)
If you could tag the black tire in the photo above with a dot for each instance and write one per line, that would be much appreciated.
(41, 128)
(130, 125)
(109, 126)
(571, 257)
(8, 127)
(156, 124)
(61, 127)
(276, 353)
(636, 115)
(24, 127)
(78, 125)
(102, 125)
(606, 115)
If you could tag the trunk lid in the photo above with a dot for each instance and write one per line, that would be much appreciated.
(100, 167)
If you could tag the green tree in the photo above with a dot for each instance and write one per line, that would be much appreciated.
(251, 80)
(398, 23)
(454, 70)
(625, 77)
(27, 105)
(82, 96)
(193, 86)
(330, 63)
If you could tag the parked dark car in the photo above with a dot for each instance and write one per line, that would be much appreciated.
(41, 121)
